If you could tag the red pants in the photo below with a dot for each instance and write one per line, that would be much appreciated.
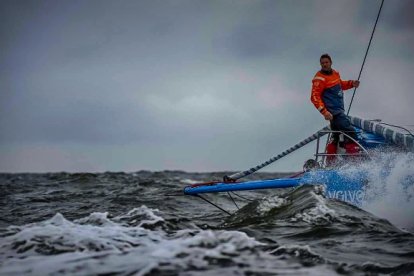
(350, 147)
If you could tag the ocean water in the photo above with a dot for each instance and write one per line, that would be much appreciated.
(141, 224)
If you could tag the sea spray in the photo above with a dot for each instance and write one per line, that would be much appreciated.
(389, 191)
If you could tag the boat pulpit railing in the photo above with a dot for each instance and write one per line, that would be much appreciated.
(342, 135)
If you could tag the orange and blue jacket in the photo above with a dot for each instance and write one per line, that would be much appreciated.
(327, 92)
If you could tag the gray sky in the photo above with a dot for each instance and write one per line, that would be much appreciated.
(187, 84)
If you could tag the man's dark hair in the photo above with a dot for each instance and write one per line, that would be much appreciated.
(326, 56)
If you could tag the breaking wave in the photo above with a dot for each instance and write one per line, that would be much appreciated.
(119, 223)
(390, 189)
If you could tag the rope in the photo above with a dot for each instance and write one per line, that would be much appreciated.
(366, 54)
(215, 205)
(241, 174)
(242, 197)
(233, 201)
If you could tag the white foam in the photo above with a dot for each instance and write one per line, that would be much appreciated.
(113, 247)
(319, 213)
(142, 216)
(296, 250)
(59, 235)
(390, 189)
(268, 203)
(96, 218)
(189, 181)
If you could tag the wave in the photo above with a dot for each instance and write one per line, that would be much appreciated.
(94, 226)
(390, 189)
(126, 244)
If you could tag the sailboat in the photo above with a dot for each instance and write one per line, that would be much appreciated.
(325, 168)
(372, 135)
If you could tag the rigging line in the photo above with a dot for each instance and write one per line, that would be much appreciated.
(302, 143)
(233, 201)
(215, 205)
(366, 54)
(242, 197)
(410, 133)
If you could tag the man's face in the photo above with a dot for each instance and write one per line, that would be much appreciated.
(326, 64)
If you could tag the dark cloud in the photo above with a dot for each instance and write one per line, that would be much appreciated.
(398, 15)
(256, 41)
(223, 81)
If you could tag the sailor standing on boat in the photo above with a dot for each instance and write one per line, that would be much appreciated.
(327, 96)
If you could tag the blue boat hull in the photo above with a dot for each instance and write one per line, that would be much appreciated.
(345, 187)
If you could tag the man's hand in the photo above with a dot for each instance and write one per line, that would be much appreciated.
(328, 116)
(355, 83)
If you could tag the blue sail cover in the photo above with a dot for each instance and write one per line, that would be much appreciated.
(389, 135)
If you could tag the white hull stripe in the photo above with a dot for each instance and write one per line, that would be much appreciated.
(390, 135)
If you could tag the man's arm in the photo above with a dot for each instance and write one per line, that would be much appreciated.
(317, 87)
(345, 85)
